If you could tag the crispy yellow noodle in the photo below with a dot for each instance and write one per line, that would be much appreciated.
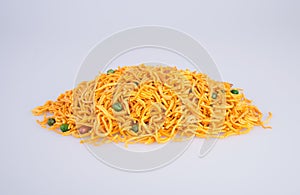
(157, 104)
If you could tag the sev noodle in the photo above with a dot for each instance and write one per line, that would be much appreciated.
(164, 102)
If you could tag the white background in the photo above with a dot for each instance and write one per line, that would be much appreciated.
(254, 43)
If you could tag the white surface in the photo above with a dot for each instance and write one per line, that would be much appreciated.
(254, 43)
